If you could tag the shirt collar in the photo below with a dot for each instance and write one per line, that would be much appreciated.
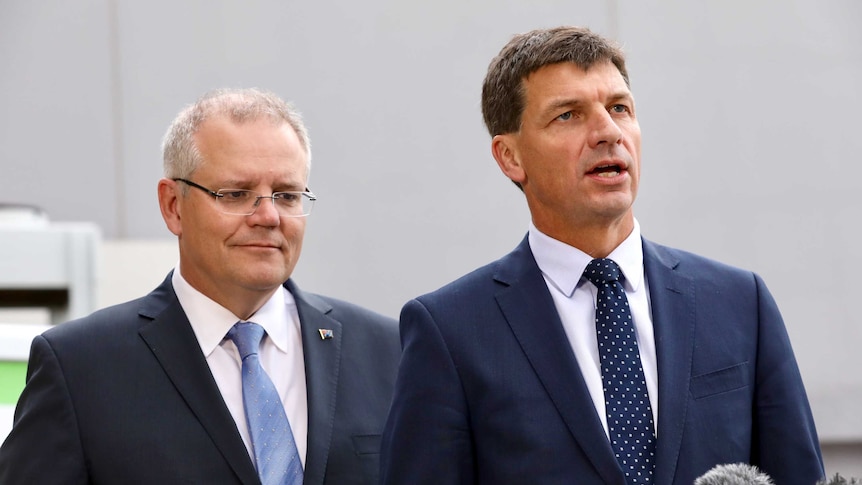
(564, 265)
(211, 321)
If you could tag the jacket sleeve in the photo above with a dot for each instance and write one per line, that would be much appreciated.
(785, 441)
(427, 437)
(44, 445)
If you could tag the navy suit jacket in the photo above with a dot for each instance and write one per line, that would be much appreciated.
(489, 390)
(125, 396)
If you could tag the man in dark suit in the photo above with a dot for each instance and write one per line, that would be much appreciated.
(504, 377)
(154, 391)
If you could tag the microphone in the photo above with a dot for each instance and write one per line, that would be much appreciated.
(837, 479)
(734, 474)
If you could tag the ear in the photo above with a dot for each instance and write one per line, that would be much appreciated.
(169, 204)
(504, 150)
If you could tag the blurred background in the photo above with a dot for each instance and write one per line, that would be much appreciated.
(750, 112)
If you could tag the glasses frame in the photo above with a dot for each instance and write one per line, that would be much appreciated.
(306, 193)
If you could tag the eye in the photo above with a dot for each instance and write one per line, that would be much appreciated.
(620, 108)
(235, 195)
(565, 116)
(288, 198)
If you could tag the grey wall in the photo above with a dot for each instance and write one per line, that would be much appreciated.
(750, 112)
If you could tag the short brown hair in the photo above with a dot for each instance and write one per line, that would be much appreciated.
(502, 90)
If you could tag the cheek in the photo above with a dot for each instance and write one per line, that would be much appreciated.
(199, 230)
(548, 159)
(634, 143)
(293, 231)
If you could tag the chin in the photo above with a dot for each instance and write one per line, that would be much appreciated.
(263, 278)
(618, 204)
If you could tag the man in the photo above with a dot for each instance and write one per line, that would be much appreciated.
(509, 375)
(154, 390)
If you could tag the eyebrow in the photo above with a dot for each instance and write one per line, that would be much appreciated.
(291, 187)
(575, 102)
(278, 187)
(562, 103)
(231, 183)
(622, 95)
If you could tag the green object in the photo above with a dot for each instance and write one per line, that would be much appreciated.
(12, 376)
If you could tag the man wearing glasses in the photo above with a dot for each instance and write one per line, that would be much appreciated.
(227, 372)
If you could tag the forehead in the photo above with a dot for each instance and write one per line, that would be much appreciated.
(567, 80)
(248, 148)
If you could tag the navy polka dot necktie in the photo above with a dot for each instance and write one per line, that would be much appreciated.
(275, 453)
(627, 405)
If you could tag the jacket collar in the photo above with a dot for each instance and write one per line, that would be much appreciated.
(171, 339)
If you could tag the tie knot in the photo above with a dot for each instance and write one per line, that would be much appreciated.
(246, 336)
(602, 270)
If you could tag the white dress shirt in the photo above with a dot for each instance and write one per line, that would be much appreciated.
(280, 354)
(575, 299)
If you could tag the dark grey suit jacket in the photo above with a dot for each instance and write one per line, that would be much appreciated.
(489, 390)
(125, 396)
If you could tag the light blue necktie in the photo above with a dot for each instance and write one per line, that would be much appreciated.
(630, 423)
(275, 453)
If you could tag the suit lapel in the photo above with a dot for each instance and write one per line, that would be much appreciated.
(532, 316)
(171, 339)
(672, 300)
(322, 363)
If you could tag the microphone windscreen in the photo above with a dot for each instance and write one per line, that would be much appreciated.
(734, 474)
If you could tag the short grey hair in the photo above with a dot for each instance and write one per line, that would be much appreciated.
(180, 154)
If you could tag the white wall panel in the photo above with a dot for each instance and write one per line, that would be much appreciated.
(750, 114)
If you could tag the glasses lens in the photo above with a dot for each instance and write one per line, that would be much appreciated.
(293, 204)
(235, 201)
(245, 202)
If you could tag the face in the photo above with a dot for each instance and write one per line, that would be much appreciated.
(577, 154)
(233, 258)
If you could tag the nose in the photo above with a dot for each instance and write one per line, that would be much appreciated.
(265, 213)
(605, 130)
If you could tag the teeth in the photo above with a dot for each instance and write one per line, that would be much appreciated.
(608, 171)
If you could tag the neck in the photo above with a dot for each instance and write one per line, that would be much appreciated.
(242, 302)
(244, 306)
(595, 238)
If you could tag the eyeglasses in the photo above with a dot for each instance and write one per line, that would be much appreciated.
(245, 202)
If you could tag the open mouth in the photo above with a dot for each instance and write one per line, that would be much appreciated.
(609, 170)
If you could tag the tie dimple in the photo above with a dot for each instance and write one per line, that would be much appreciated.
(627, 405)
(276, 457)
